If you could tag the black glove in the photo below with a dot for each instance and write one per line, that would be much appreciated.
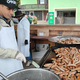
(26, 42)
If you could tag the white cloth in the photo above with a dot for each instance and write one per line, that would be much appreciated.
(8, 40)
(23, 33)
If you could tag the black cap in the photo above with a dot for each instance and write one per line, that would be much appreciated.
(18, 14)
(9, 3)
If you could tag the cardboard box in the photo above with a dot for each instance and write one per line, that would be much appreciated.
(43, 32)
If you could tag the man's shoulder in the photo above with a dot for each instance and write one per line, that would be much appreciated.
(4, 24)
(35, 17)
(24, 20)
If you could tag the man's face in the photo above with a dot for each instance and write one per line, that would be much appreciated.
(6, 12)
(29, 15)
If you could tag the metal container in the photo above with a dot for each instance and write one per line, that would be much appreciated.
(47, 57)
(50, 54)
(33, 74)
(57, 38)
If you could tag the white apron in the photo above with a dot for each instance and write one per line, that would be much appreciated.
(8, 40)
(23, 33)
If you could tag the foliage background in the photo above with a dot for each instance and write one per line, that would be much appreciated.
(17, 2)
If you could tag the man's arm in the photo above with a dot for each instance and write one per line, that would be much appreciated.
(8, 53)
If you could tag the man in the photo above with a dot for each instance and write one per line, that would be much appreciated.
(23, 34)
(30, 19)
(34, 19)
(10, 56)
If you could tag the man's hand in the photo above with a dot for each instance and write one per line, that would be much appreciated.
(21, 57)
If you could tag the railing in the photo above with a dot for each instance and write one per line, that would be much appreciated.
(34, 6)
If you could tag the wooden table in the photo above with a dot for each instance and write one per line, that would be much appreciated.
(58, 30)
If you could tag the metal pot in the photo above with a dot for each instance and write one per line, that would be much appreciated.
(33, 74)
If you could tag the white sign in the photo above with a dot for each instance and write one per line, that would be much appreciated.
(11, 1)
(41, 34)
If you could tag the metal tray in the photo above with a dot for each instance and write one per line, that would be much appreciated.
(55, 39)
(50, 54)
(47, 57)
